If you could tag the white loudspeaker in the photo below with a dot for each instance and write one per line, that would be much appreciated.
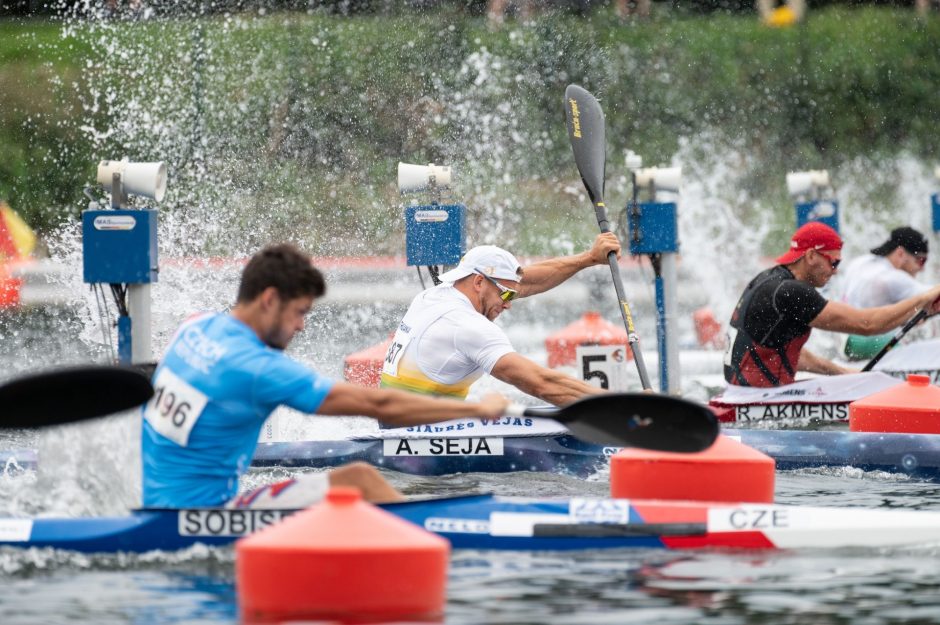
(802, 182)
(146, 179)
(936, 172)
(420, 177)
(634, 161)
(660, 178)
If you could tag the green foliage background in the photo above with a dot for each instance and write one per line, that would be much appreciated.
(302, 117)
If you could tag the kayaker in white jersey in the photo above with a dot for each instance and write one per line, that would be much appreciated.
(447, 338)
(224, 373)
(885, 276)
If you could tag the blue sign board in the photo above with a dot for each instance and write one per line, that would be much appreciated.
(653, 227)
(119, 246)
(435, 234)
(826, 211)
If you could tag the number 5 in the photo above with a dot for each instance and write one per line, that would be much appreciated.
(587, 374)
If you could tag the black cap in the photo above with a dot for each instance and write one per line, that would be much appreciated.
(908, 238)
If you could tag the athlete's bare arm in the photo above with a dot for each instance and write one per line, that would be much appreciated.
(840, 317)
(399, 408)
(547, 384)
(548, 274)
(817, 364)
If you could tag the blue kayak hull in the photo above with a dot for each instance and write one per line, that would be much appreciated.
(917, 455)
(462, 520)
(552, 454)
(486, 522)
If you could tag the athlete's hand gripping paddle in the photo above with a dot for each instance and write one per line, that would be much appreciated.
(586, 132)
(71, 394)
(645, 420)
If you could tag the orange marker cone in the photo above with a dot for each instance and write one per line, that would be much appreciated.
(726, 471)
(341, 559)
(590, 329)
(912, 408)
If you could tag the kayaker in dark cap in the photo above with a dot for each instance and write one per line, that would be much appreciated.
(780, 307)
(885, 276)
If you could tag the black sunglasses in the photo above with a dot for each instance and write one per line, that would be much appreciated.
(832, 261)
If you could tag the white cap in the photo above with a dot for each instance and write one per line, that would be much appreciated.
(493, 261)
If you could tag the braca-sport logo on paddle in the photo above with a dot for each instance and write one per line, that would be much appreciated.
(575, 118)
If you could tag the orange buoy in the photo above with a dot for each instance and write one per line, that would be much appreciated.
(708, 331)
(726, 471)
(912, 408)
(365, 366)
(345, 559)
(9, 288)
(590, 329)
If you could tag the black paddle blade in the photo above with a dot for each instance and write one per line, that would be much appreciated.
(586, 132)
(72, 394)
(644, 420)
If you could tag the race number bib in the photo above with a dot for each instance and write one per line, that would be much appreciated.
(175, 407)
(395, 352)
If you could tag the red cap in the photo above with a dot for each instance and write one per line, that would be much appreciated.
(813, 235)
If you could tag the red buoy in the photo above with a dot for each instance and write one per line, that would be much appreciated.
(365, 366)
(9, 287)
(590, 329)
(341, 559)
(912, 408)
(708, 331)
(726, 471)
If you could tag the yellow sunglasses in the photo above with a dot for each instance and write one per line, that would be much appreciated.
(505, 293)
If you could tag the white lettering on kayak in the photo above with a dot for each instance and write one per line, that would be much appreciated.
(781, 412)
(457, 526)
(442, 447)
(226, 522)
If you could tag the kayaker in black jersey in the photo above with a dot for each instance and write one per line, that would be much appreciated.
(779, 308)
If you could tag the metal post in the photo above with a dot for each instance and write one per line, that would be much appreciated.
(138, 308)
(670, 323)
(656, 261)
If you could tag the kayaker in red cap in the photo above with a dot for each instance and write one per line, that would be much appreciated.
(780, 307)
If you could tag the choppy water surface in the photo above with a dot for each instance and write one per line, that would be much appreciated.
(628, 586)
(93, 468)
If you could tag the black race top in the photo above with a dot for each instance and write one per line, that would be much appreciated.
(769, 326)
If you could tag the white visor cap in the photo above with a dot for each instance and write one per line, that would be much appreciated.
(493, 261)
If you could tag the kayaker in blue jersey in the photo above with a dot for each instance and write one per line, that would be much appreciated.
(223, 374)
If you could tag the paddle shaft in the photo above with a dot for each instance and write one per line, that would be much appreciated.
(913, 321)
(625, 313)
